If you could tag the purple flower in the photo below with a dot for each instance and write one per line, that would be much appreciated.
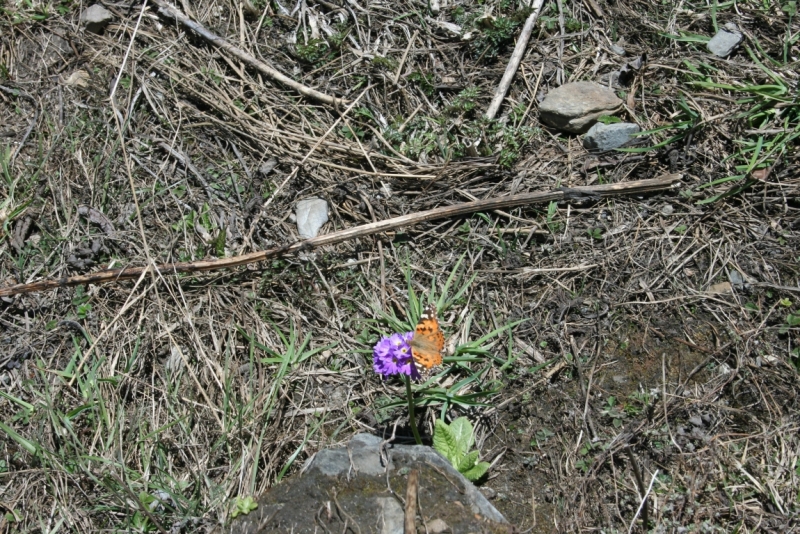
(392, 356)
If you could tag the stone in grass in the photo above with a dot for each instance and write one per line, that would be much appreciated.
(575, 107)
(602, 137)
(357, 479)
(725, 41)
(96, 18)
(311, 215)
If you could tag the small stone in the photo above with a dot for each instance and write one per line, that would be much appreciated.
(617, 50)
(575, 107)
(668, 209)
(438, 526)
(96, 18)
(602, 137)
(79, 78)
(725, 41)
(723, 288)
(311, 215)
(696, 421)
(736, 278)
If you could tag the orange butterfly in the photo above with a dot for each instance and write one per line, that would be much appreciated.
(428, 340)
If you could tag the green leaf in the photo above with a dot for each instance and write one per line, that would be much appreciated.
(444, 441)
(29, 446)
(461, 429)
(468, 462)
(477, 471)
(608, 119)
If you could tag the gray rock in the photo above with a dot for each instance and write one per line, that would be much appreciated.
(575, 107)
(357, 479)
(696, 421)
(602, 137)
(725, 41)
(311, 215)
(737, 280)
(96, 18)
(617, 50)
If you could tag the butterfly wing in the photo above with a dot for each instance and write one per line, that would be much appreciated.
(428, 341)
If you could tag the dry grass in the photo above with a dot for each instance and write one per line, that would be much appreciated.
(153, 405)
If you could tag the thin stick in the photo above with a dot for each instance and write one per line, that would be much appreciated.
(412, 490)
(584, 192)
(403, 59)
(644, 500)
(171, 12)
(516, 58)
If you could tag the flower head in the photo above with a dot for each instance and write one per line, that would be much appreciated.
(392, 356)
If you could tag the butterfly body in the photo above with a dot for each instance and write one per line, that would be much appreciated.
(428, 340)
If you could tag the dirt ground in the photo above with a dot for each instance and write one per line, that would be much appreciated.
(649, 381)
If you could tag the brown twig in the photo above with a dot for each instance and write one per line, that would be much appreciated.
(169, 11)
(516, 58)
(510, 201)
(596, 9)
(411, 502)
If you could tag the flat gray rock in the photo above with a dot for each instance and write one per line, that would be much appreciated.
(602, 137)
(355, 485)
(311, 215)
(725, 41)
(575, 107)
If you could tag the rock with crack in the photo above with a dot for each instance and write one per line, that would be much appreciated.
(359, 484)
(575, 107)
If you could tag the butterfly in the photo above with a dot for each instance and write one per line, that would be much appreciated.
(428, 340)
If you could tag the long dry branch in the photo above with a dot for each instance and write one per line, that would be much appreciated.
(516, 58)
(171, 12)
(563, 193)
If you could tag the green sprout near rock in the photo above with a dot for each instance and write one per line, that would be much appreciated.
(243, 506)
(454, 442)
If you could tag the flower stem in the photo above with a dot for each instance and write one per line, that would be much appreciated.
(412, 419)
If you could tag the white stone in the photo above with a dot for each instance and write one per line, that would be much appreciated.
(96, 18)
(311, 213)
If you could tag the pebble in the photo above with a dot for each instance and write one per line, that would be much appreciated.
(311, 213)
(725, 41)
(617, 50)
(96, 18)
(602, 137)
(575, 107)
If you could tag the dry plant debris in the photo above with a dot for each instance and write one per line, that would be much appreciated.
(652, 383)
